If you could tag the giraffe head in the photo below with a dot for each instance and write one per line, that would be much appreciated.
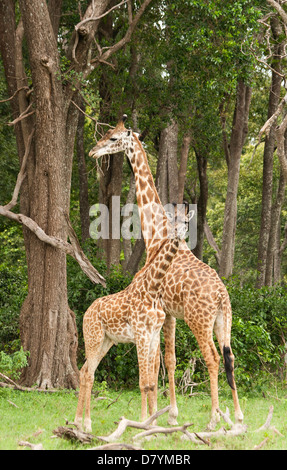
(114, 141)
(179, 216)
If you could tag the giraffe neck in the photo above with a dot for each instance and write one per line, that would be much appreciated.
(154, 222)
(158, 267)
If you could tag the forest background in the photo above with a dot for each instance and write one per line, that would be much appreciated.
(203, 82)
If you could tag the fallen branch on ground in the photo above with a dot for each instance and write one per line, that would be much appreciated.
(149, 429)
(124, 423)
(74, 434)
(32, 446)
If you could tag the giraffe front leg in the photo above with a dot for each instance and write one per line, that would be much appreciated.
(81, 400)
(154, 363)
(142, 352)
(170, 362)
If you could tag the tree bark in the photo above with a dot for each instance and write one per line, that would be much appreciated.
(237, 139)
(269, 146)
(47, 325)
(202, 201)
(83, 179)
(167, 170)
(110, 186)
(183, 165)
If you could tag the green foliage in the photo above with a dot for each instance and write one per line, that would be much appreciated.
(259, 330)
(13, 287)
(11, 365)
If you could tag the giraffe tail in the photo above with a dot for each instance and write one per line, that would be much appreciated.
(228, 364)
(227, 353)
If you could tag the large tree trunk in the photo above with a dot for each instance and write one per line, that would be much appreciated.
(202, 201)
(183, 165)
(269, 146)
(167, 171)
(237, 139)
(47, 325)
(110, 191)
(83, 178)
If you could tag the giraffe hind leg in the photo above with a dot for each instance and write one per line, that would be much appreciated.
(228, 364)
(95, 352)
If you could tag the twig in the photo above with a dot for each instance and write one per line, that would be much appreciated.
(22, 115)
(83, 112)
(14, 94)
(11, 382)
(13, 404)
(114, 401)
(259, 446)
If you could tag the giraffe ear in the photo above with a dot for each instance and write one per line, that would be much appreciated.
(190, 215)
(124, 118)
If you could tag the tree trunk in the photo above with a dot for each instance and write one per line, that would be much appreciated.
(202, 202)
(267, 183)
(272, 268)
(83, 179)
(237, 139)
(110, 186)
(167, 171)
(183, 166)
(47, 325)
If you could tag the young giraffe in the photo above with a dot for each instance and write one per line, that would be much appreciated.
(191, 290)
(132, 315)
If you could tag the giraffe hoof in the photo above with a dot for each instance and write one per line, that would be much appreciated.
(88, 425)
(172, 421)
(78, 423)
(215, 418)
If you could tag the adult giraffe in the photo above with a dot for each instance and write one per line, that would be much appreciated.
(191, 290)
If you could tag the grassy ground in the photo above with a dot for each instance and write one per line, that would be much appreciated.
(32, 417)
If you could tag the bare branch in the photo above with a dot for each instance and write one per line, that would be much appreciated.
(279, 9)
(79, 25)
(14, 94)
(31, 446)
(266, 425)
(111, 50)
(23, 115)
(124, 423)
(83, 112)
(72, 249)
(161, 430)
(21, 175)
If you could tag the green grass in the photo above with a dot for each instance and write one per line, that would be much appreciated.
(32, 417)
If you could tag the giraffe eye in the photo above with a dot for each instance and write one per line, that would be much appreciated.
(113, 139)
